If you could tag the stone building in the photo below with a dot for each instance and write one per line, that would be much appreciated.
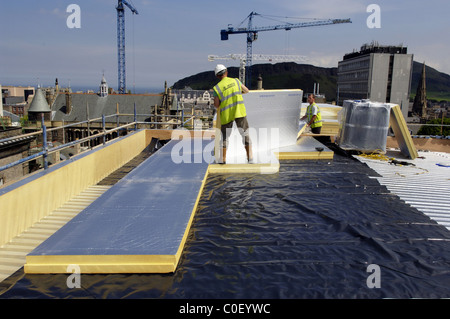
(70, 107)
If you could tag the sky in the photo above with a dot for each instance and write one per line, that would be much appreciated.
(171, 39)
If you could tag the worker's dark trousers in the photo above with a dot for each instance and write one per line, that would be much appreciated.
(321, 139)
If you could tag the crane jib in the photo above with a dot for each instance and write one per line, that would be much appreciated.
(252, 34)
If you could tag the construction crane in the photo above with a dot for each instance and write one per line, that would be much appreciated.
(121, 42)
(261, 57)
(252, 33)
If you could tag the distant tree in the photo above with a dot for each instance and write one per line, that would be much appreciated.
(435, 130)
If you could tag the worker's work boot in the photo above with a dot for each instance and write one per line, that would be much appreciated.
(248, 149)
(224, 156)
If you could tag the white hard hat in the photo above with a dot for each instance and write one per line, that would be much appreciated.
(219, 68)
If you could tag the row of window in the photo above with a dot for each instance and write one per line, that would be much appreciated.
(353, 87)
(352, 96)
(359, 75)
(348, 66)
(18, 110)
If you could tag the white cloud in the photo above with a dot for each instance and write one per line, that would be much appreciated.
(323, 59)
(54, 12)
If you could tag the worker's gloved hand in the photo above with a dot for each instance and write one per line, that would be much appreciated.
(302, 124)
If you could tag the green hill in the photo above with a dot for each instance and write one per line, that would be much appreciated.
(290, 75)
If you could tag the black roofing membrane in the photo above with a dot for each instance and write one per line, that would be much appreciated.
(309, 231)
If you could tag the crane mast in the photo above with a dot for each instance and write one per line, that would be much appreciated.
(121, 43)
(252, 34)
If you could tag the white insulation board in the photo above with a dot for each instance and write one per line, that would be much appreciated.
(273, 118)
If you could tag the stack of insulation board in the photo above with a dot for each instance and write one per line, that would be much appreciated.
(329, 114)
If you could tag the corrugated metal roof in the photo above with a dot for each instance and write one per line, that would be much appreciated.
(99, 106)
(423, 183)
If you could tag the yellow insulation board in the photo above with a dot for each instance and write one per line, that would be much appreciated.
(401, 132)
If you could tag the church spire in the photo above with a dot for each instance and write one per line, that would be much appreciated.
(420, 101)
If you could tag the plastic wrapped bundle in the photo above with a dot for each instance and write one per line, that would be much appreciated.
(364, 126)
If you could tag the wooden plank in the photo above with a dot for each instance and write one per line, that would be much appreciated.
(270, 168)
(312, 134)
(306, 147)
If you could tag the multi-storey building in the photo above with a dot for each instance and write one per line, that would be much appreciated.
(378, 73)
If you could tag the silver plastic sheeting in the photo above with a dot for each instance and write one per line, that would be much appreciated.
(364, 126)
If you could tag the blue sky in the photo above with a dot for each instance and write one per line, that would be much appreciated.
(171, 39)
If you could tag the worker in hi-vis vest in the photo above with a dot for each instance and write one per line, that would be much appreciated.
(230, 105)
(312, 115)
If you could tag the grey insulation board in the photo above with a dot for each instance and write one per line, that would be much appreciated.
(145, 213)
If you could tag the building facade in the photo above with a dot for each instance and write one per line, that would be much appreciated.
(1, 101)
(17, 99)
(13, 150)
(378, 73)
(199, 103)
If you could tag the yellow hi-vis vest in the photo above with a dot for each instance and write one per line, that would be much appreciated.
(309, 113)
(232, 106)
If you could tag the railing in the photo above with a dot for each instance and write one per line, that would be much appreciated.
(420, 125)
(44, 131)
